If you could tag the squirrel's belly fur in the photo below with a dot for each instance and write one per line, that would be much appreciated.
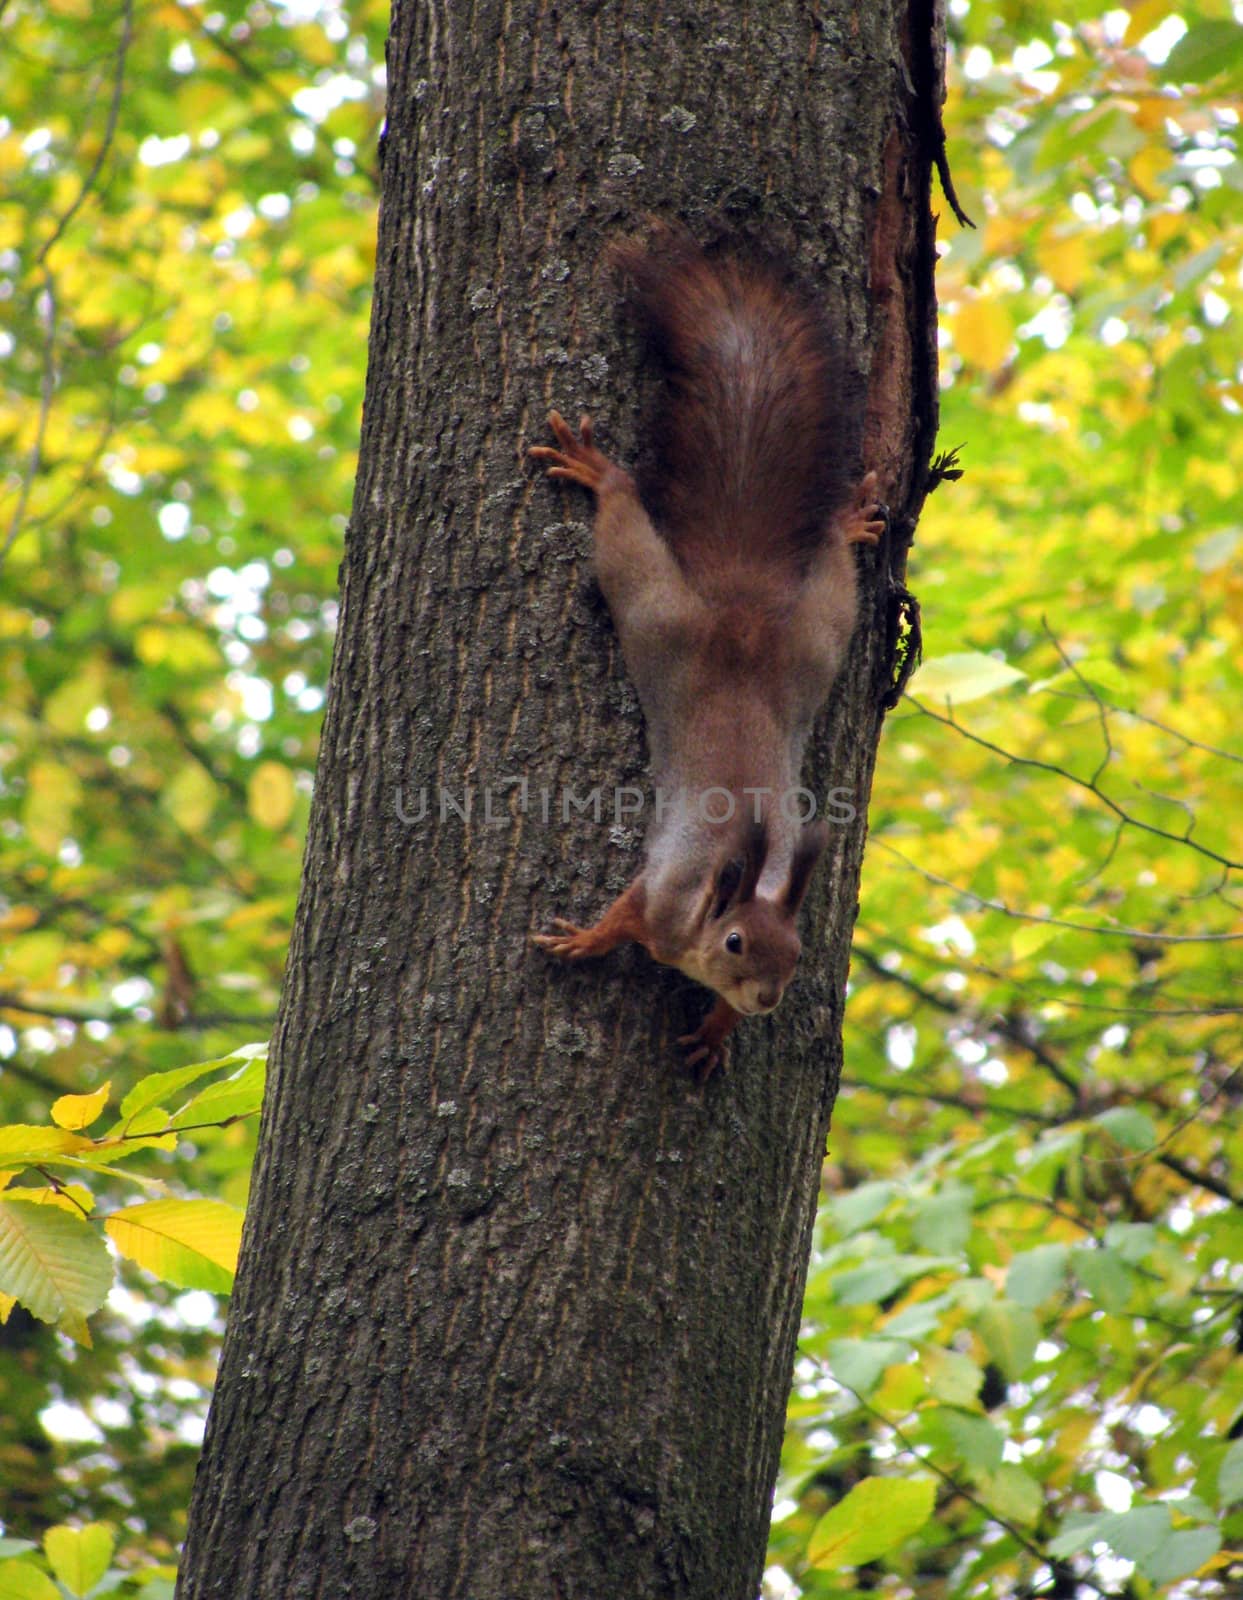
(734, 603)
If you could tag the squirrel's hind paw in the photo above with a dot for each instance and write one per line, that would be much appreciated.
(577, 458)
(867, 520)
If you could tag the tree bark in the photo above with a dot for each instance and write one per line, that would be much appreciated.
(518, 1300)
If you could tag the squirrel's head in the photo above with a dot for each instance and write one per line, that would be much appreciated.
(746, 945)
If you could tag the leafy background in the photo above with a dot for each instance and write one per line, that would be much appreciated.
(1019, 1370)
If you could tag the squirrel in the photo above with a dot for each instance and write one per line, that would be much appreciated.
(734, 603)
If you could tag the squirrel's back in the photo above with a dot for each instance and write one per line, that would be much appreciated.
(758, 430)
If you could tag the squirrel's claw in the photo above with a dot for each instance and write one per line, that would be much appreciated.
(866, 521)
(703, 1053)
(577, 458)
(572, 943)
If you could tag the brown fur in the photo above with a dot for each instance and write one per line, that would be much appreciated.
(734, 612)
(758, 431)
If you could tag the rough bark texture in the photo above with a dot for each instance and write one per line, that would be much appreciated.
(518, 1300)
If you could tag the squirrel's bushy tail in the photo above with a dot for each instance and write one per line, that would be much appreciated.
(758, 430)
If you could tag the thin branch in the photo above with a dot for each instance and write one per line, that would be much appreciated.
(973, 1108)
(47, 387)
(28, 1075)
(114, 112)
(1008, 1030)
(1151, 722)
(1105, 930)
(48, 380)
(1201, 1180)
(1089, 785)
(117, 1015)
(1038, 996)
(952, 1483)
(61, 1188)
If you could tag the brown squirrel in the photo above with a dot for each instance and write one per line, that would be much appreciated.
(734, 607)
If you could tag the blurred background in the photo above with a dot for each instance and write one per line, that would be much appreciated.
(1028, 1278)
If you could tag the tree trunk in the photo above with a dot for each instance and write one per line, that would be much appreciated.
(518, 1300)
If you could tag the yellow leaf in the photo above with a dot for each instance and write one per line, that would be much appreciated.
(983, 331)
(135, 602)
(876, 1516)
(76, 1111)
(190, 798)
(21, 1581)
(192, 1244)
(55, 1264)
(79, 1556)
(65, 708)
(1164, 226)
(1145, 16)
(52, 797)
(1065, 259)
(183, 648)
(7, 1302)
(17, 919)
(1147, 167)
(75, 1198)
(110, 945)
(1030, 937)
(270, 794)
(26, 1146)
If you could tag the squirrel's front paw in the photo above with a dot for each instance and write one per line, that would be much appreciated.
(705, 1048)
(703, 1052)
(577, 459)
(572, 943)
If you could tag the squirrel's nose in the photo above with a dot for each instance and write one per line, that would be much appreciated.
(768, 998)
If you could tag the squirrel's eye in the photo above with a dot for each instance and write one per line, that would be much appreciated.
(733, 943)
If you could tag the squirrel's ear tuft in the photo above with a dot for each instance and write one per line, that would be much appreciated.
(755, 854)
(810, 849)
(736, 880)
(726, 888)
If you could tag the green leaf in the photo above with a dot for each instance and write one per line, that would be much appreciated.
(1205, 51)
(1012, 1493)
(1181, 1554)
(54, 1263)
(21, 1581)
(962, 677)
(1010, 1334)
(953, 1378)
(79, 1556)
(239, 1095)
(978, 1442)
(943, 1223)
(856, 1209)
(159, 1087)
(1105, 1276)
(877, 1280)
(861, 1363)
(1098, 671)
(876, 1516)
(1036, 1274)
(1134, 1535)
(1129, 1126)
(1230, 1475)
(191, 1244)
(1133, 1241)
